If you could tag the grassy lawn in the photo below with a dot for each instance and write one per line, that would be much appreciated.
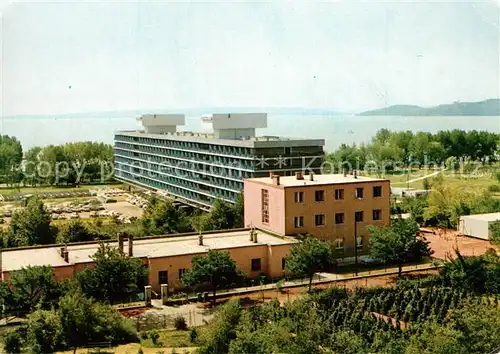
(31, 190)
(131, 348)
(166, 342)
(482, 178)
(172, 339)
(60, 222)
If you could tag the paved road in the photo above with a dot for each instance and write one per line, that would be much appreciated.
(422, 177)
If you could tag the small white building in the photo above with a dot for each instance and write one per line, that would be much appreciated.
(477, 225)
(408, 192)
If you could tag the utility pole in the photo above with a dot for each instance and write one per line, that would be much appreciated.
(408, 178)
(355, 245)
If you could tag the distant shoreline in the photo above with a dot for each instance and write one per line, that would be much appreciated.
(486, 108)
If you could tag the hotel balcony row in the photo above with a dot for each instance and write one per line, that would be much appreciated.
(197, 194)
(217, 148)
(206, 178)
(255, 163)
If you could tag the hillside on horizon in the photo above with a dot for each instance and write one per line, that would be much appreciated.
(490, 107)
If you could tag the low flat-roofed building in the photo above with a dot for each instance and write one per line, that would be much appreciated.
(336, 208)
(409, 192)
(477, 225)
(165, 257)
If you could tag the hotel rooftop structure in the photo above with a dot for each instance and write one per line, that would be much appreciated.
(198, 168)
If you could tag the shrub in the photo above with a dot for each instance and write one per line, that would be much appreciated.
(279, 285)
(180, 323)
(178, 296)
(494, 188)
(153, 334)
(144, 335)
(140, 351)
(12, 342)
(193, 335)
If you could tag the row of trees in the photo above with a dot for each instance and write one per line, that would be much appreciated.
(70, 163)
(162, 217)
(389, 149)
(444, 313)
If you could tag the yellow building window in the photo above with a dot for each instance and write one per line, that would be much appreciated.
(256, 264)
(339, 218)
(339, 194)
(377, 191)
(163, 277)
(299, 221)
(319, 220)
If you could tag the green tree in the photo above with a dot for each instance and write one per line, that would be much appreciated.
(76, 231)
(32, 287)
(222, 329)
(13, 341)
(403, 141)
(44, 331)
(114, 276)
(220, 217)
(76, 317)
(11, 155)
(32, 162)
(31, 225)
(310, 256)
(397, 243)
(494, 229)
(479, 326)
(348, 342)
(162, 217)
(348, 158)
(215, 269)
(77, 321)
(239, 212)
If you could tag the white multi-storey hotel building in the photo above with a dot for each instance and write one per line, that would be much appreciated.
(197, 168)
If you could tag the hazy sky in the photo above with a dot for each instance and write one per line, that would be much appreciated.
(66, 57)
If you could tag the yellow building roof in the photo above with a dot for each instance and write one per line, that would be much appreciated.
(15, 259)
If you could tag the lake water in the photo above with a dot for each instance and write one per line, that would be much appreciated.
(336, 129)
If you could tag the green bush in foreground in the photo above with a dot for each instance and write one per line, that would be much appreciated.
(76, 322)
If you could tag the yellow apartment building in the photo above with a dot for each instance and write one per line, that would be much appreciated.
(332, 207)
